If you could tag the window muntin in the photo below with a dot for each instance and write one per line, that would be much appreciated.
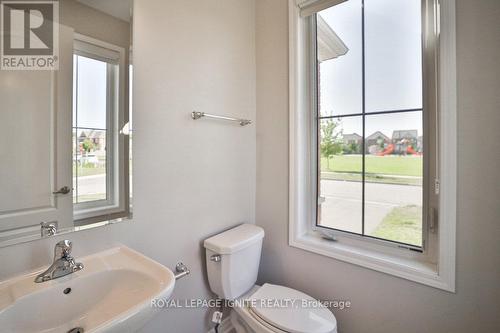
(370, 177)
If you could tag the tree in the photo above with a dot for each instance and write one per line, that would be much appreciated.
(331, 142)
(87, 145)
(351, 148)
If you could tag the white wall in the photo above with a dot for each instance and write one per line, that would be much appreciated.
(191, 179)
(382, 303)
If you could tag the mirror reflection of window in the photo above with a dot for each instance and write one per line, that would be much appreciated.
(90, 130)
(100, 129)
(75, 170)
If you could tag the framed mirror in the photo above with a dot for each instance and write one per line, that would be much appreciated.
(65, 117)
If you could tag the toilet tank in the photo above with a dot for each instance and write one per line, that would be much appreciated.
(233, 259)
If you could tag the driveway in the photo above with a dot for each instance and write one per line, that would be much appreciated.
(342, 206)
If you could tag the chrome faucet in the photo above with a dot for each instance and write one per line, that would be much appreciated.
(63, 264)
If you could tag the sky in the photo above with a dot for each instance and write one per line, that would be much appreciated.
(393, 65)
(91, 88)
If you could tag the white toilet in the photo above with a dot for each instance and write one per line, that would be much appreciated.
(233, 259)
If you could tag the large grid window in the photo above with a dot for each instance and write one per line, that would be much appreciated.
(370, 120)
(373, 135)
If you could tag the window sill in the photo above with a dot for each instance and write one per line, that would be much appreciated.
(84, 217)
(400, 266)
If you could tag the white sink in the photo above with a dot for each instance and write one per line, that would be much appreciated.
(112, 293)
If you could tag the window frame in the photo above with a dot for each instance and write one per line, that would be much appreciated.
(430, 109)
(435, 266)
(117, 182)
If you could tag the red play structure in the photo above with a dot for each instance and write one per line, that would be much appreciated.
(387, 151)
(390, 150)
(412, 151)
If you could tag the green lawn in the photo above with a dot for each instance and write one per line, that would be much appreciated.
(389, 165)
(89, 170)
(402, 224)
(382, 169)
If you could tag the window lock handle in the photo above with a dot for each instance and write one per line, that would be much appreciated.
(62, 190)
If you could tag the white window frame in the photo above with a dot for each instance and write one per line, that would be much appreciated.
(117, 182)
(434, 268)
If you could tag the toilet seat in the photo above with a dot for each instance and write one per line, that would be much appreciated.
(283, 309)
(264, 323)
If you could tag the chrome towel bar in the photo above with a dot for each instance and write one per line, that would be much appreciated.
(197, 115)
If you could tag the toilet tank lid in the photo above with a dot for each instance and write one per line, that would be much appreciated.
(234, 239)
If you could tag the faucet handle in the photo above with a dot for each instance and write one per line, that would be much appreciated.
(63, 249)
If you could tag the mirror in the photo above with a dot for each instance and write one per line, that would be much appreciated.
(65, 116)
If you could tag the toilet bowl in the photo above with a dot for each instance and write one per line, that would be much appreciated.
(233, 259)
(293, 312)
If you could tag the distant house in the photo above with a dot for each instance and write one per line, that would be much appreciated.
(410, 135)
(377, 139)
(378, 143)
(98, 138)
(352, 143)
(353, 138)
(403, 139)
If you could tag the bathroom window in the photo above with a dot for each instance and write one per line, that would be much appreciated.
(366, 182)
(370, 121)
(99, 155)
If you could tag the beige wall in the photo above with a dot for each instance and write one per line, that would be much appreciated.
(382, 303)
(191, 179)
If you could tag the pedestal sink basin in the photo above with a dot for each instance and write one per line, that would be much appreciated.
(112, 293)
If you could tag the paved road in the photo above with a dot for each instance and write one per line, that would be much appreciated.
(342, 206)
(89, 185)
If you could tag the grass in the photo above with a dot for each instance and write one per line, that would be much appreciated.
(388, 165)
(89, 170)
(402, 224)
(379, 169)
